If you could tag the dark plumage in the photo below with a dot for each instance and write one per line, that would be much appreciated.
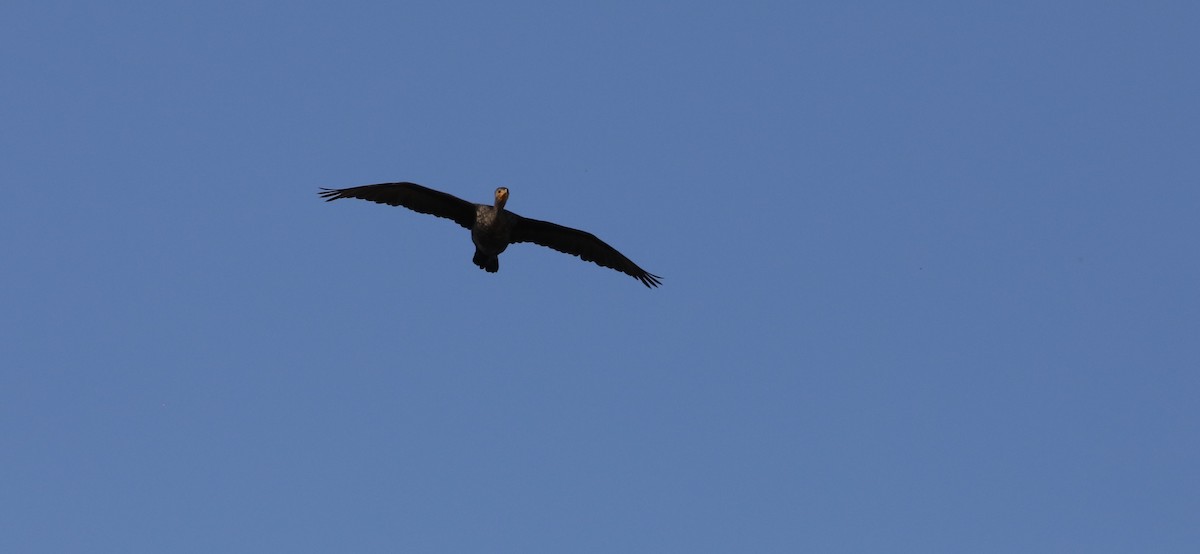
(493, 228)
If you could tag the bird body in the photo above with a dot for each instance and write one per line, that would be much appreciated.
(493, 228)
(491, 234)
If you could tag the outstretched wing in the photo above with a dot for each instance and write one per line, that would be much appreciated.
(579, 243)
(412, 196)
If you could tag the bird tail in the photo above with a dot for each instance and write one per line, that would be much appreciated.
(490, 264)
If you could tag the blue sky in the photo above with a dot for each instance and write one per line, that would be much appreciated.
(929, 278)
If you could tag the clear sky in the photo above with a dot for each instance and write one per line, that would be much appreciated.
(930, 277)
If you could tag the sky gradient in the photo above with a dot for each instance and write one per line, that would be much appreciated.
(929, 278)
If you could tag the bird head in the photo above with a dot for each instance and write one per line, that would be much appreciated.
(501, 197)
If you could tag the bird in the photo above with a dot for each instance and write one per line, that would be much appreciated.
(493, 228)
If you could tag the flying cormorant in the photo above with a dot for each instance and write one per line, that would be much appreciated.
(493, 228)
